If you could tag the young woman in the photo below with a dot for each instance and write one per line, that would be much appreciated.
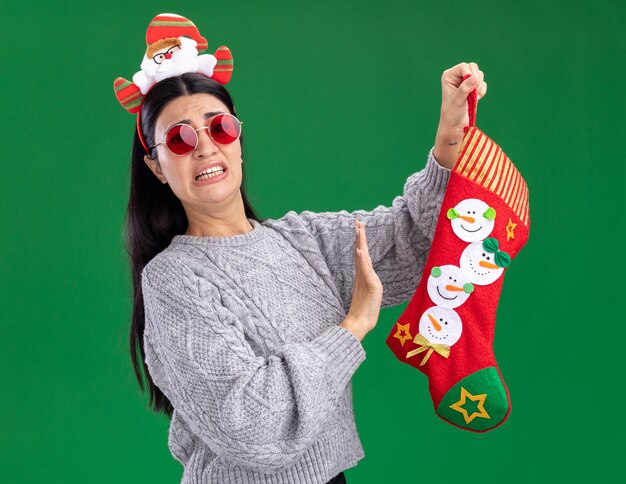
(249, 330)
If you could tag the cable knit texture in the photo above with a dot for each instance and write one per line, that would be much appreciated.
(242, 335)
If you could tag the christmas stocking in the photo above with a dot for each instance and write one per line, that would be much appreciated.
(447, 329)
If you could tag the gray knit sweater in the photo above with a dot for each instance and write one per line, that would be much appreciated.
(242, 335)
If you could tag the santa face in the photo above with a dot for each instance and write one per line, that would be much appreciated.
(172, 61)
(449, 286)
(479, 264)
(441, 326)
(472, 220)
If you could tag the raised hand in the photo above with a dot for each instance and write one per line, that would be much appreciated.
(367, 291)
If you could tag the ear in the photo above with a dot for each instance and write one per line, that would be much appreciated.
(502, 259)
(468, 287)
(154, 166)
(151, 162)
(490, 244)
(435, 271)
(490, 213)
(452, 214)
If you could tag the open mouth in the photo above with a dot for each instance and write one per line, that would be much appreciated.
(205, 175)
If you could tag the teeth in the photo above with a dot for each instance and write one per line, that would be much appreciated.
(217, 170)
(210, 175)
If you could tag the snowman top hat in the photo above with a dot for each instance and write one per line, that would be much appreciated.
(173, 47)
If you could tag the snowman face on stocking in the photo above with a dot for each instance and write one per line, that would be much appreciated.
(449, 286)
(472, 219)
(441, 325)
(483, 262)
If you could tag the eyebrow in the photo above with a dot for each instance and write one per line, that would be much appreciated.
(188, 121)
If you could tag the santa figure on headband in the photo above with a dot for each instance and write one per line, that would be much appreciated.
(173, 45)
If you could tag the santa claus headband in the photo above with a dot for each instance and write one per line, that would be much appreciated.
(173, 47)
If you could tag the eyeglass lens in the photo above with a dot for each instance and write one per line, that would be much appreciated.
(182, 139)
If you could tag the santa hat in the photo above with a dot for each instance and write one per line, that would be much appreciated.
(167, 25)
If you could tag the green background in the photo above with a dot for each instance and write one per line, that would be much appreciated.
(555, 103)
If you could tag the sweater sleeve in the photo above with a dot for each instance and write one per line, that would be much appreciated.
(399, 236)
(260, 412)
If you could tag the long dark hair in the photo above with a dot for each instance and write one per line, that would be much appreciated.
(154, 212)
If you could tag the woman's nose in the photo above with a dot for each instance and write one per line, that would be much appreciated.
(206, 145)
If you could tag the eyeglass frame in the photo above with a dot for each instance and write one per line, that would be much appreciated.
(197, 136)
(168, 51)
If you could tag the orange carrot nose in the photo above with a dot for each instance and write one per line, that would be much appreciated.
(468, 219)
(435, 323)
(454, 288)
(488, 265)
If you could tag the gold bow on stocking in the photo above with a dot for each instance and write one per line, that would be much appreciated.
(443, 350)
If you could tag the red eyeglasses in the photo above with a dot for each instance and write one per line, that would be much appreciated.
(182, 139)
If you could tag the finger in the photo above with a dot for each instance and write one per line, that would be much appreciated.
(475, 81)
(356, 241)
(364, 250)
(359, 231)
(467, 86)
(460, 70)
(481, 91)
(476, 72)
(363, 241)
(360, 236)
(467, 68)
(364, 263)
